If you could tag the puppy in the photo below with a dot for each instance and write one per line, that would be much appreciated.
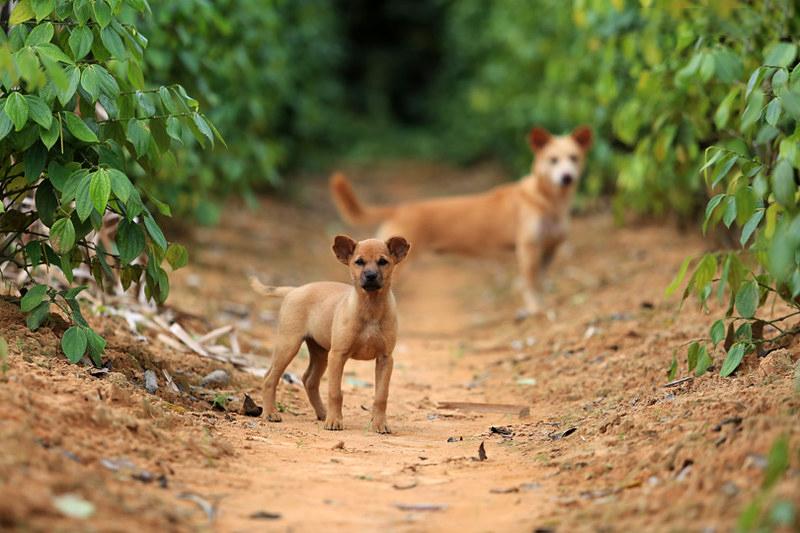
(340, 322)
(530, 216)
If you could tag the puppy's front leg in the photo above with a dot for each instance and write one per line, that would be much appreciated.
(336, 361)
(383, 374)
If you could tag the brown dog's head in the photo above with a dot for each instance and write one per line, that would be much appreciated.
(560, 159)
(371, 261)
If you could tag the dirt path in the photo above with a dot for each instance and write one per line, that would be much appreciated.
(597, 363)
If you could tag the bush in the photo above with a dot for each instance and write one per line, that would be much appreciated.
(267, 72)
(690, 102)
(79, 133)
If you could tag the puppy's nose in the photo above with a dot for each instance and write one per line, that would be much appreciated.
(566, 179)
(370, 276)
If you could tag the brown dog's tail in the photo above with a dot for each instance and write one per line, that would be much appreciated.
(267, 290)
(351, 209)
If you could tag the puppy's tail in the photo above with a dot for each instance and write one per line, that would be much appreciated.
(267, 290)
(351, 209)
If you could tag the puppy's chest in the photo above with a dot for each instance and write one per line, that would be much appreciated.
(370, 341)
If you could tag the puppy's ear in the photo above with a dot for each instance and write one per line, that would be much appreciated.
(398, 247)
(343, 248)
(583, 136)
(538, 138)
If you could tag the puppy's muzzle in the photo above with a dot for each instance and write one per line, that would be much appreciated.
(371, 280)
(567, 179)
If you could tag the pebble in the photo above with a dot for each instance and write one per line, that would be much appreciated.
(150, 381)
(215, 378)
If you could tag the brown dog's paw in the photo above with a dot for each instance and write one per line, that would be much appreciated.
(333, 425)
(322, 416)
(274, 417)
(381, 427)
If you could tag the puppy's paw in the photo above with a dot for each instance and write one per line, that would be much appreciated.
(274, 417)
(333, 424)
(379, 426)
(322, 415)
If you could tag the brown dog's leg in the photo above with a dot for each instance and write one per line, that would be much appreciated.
(284, 352)
(317, 363)
(336, 361)
(529, 258)
(383, 374)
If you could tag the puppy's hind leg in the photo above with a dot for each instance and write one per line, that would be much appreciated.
(317, 363)
(285, 350)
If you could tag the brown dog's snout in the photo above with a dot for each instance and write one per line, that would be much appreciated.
(567, 179)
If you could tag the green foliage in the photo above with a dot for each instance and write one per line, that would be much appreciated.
(267, 73)
(766, 512)
(3, 356)
(79, 131)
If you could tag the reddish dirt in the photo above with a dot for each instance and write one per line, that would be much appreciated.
(642, 456)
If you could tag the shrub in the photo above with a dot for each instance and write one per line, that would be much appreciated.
(80, 132)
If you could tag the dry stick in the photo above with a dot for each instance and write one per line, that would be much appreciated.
(521, 410)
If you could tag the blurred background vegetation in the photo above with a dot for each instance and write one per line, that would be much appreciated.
(293, 84)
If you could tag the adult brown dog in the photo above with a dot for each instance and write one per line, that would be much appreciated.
(530, 216)
(340, 322)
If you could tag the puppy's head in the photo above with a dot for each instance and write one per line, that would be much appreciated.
(371, 261)
(560, 159)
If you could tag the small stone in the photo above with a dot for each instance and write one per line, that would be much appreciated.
(216, 378)
(150, 381)
(778, 362)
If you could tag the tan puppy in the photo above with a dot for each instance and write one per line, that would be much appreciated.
(530, 216)
(340, 322)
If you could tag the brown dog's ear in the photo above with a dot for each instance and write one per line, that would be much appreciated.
(538, 138)
(583, 136)
(343, 248)
(398, 247)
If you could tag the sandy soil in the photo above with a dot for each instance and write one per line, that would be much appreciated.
(604, 445)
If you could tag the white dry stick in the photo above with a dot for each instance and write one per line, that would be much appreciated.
(172, 343)
(170, 381)
(235, 343)
(215, 334)
(185, 338)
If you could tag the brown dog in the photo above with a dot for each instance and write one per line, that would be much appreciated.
(530, 216)
(340, 322)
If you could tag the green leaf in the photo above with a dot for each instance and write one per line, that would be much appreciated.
(102, 13)
(83, 199)
(38, 315)
(120, 185)
(773, 113)
(676, 282)
(177, 256)
(21, 12)
(704, 362)
(80, 41)
(747, 299)
(780, 54)
(73, 78)
(35, 159)
(790, 101)
(733, 359)
(139, 136)
(155, 232)
(90, 81)
(100, 189)
(16, 108)
(750, 226)
(717, 331)
(96, 345)
(78, 128)
(673, 368)
(33, 298)
(130, 241)
(62, 236)
(730, 211)
(777, 462)
(113, 43)
(73, 343)
(53, 52)
(40, 34)
(46, 203)
(39, 111)
(5, 125)
(43, 8)
(49, 136)
(783, 185)
(202, 125)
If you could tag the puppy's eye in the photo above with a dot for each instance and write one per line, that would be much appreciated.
(573, 158)
(360, 262)
(553, 160)
(382, 261)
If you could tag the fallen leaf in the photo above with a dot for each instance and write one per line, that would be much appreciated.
(265, 515)
(482, 452)
(249, 407)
